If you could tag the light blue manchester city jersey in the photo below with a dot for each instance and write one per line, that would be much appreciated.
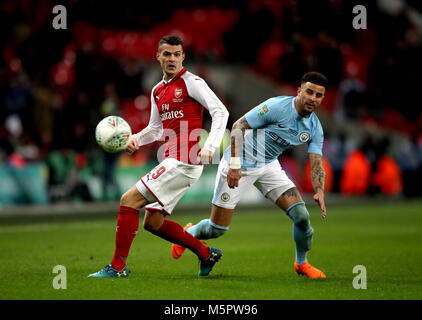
(276, 126)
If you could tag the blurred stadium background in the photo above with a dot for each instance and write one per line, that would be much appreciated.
(55, 85)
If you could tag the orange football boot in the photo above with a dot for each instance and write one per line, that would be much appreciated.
(177, 250)
(308, 270)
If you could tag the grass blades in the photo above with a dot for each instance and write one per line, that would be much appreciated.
(257, 264)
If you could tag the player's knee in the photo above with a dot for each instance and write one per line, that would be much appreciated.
(133, 198)
(128, 200)
(300, 216)
(125, 199)
(152, 222)
(149, 225)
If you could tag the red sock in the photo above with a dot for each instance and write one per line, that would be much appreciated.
(127, 227)
(175, 233)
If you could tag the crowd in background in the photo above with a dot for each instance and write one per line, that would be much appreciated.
(55, 85)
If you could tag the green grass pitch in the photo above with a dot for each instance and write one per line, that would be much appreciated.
(257, 263)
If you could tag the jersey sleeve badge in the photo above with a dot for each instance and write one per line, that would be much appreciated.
(263, 110)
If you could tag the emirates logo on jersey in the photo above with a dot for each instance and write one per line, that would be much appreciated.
(178, 92)
(171, 115)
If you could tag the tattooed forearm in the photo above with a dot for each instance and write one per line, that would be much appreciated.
(236, 136)
(317, 171)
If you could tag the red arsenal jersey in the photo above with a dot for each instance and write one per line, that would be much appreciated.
(177, 108)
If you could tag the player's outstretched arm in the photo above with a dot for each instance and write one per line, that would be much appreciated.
(201, 92)
(318, 180)
(152, 132)
(236, 141)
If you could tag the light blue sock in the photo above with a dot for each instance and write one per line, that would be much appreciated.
(302, 230)
(206, 229)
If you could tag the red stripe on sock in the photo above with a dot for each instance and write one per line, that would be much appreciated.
(175, 233)
(126, 229)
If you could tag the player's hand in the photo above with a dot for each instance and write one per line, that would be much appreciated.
(319, 198)
(204, 156)
(233, 177)
(133, 146)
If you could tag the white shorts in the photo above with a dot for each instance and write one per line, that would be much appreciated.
(166, 184)
(270, 180)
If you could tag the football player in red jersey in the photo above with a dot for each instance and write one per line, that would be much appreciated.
(177, 104)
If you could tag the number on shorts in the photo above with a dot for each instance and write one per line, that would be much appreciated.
(159, 172)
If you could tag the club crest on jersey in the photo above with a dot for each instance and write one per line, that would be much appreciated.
(304, 137)
(225, 197)
(178, 92)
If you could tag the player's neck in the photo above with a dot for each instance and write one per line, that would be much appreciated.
(168, 77)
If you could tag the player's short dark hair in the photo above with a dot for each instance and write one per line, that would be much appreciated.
(315, 78)
(171, 40)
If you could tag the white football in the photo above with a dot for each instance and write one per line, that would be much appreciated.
(113, 134)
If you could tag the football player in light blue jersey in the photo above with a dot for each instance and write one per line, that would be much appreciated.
(257, 139)
(277, 126)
